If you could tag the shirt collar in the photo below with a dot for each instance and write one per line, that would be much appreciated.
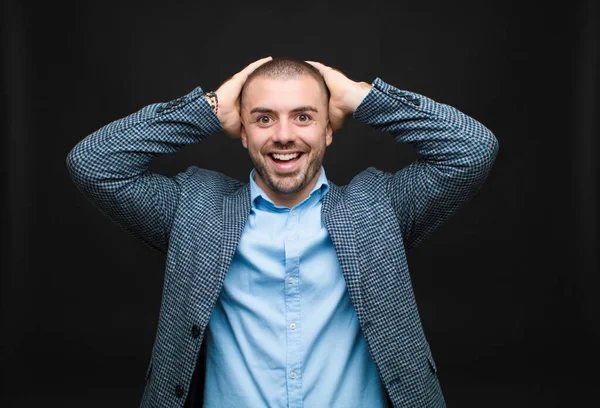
(257, 194)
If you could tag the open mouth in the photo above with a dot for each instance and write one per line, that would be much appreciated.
(285, 161)
(285, 157)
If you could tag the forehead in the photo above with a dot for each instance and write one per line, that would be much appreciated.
(281, 94)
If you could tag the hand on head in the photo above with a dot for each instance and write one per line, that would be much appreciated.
(345, 97)
(346, 94)
(228, 95)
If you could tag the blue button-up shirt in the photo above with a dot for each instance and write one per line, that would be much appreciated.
(284, 332)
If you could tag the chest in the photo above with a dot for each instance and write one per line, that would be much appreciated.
(279, 254)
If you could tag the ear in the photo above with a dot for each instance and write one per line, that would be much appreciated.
(244, 136)
(328, 134)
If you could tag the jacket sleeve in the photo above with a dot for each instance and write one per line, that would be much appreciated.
(456, 154)
(110, 166)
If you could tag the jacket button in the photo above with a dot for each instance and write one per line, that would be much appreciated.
(195, 331)
(179, 391)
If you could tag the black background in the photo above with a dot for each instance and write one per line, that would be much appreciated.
(507, 287)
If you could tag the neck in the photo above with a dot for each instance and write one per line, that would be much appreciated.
(287, 199)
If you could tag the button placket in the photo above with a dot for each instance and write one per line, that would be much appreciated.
(292, 317)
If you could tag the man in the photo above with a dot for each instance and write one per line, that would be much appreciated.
(287, 291)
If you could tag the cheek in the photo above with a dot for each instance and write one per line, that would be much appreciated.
(315, 135)
(255, 140)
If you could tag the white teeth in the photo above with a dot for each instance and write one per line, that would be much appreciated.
(285, 156)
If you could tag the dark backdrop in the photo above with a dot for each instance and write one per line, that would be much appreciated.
(506, 287)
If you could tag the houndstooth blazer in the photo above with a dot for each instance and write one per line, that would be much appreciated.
(197, 218)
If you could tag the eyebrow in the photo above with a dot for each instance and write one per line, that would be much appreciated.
(298, 109)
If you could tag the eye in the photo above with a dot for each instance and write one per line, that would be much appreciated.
(264, 120)
(303, 118)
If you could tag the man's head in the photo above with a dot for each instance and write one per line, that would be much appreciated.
(285, 68)
(285, 127)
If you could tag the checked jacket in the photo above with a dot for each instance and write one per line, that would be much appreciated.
(196, 218)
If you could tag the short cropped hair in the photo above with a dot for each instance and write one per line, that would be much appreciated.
(286, 68)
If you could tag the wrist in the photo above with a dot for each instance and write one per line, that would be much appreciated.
(213, 100)
(356, 96)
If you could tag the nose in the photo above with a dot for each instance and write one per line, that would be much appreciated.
(284, 132)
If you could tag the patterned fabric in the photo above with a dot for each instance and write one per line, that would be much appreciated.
(197, 218)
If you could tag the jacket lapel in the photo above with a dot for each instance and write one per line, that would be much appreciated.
(236, 208)
(213, 252)
(337, 219)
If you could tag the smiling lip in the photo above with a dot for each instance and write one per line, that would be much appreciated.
(285, 166)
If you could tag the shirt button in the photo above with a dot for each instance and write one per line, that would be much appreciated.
(293, 375)
(293, 326)
(293, 212)
(291, 280)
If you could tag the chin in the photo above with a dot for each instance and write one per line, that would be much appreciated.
(287, 188)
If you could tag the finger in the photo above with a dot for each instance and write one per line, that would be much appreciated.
(236, 81)
(324, 69)
(318, 66)
(251, 67)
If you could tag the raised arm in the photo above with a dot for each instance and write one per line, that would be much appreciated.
(456, 152)
(110, 166)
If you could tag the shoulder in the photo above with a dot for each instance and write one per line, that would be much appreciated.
(369, 183)
(202, 181)
(366, 188)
